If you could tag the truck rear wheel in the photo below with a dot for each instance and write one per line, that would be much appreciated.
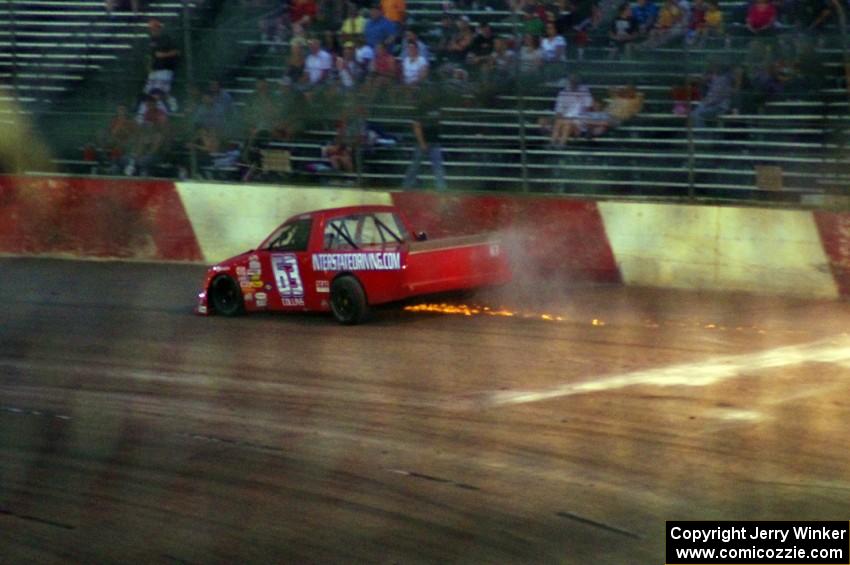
(348, 301)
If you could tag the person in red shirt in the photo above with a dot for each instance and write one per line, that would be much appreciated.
(761, 17)
(303, 12)
(383, 72)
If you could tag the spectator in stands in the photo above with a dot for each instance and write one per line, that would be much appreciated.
(671, 23)
(163, 58)
(810, 75)
(329, 16)
(481, 49)
(383, 74)
(761, 18)
(222, 100)
(363, 53)
(394, 10)
(331, 43)
(645, 13)
(501, 65)
(168, 104)
(553, 46)
(457, 88)
(205, 143)
(461, 42)
(530, 56)
(589, 28)
(573, 100)
(566, 17)
(718, 97)
(209, 115)
(303, 12)
(295, 64)
(348, 70)
(713, 24)
(299, 37)
(350, 133)
(379, 29)
(442, 37)
(532, 23)
(696, 22)
(414, 66)
(274, 27)
(118, 138)
(426, 133)
(624, 31)
(153, 134)
(262, 109)
(684, 95)
(593, 121)
(624, 103)
(811, 16)
(410, 35)
(354, 23)
(290, 112)
(317, 68)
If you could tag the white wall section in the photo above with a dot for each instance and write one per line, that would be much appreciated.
(718, 248)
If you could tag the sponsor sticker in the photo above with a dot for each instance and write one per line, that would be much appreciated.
(240, 271)
(249, 297)
(323, 286)
(261, 299)
(256, 284)
(288, 278)
(369, 261)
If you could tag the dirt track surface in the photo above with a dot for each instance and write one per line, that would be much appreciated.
(132, 430)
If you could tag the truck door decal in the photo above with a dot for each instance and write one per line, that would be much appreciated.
(288, 279)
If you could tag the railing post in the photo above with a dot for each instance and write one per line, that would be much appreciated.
(190, 78)
(690, 124)
(520, 99)
(14, 45)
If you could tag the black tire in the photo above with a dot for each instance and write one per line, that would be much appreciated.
(348, 301)
(226, 296)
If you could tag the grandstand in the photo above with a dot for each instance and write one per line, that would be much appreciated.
(69, 63)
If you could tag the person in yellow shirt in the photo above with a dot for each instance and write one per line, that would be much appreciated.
(394, 10)
(713, 24)
(353, 25)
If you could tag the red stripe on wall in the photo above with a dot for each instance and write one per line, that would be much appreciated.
(105, 218)
(834, 228)
(553, 236)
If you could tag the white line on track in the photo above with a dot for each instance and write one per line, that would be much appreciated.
(700, 373)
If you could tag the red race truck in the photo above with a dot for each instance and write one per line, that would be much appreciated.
(344, 260)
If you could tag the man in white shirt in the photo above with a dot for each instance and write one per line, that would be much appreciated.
(318, 64)
(414, 66)
(572, 102)
(364, 53)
